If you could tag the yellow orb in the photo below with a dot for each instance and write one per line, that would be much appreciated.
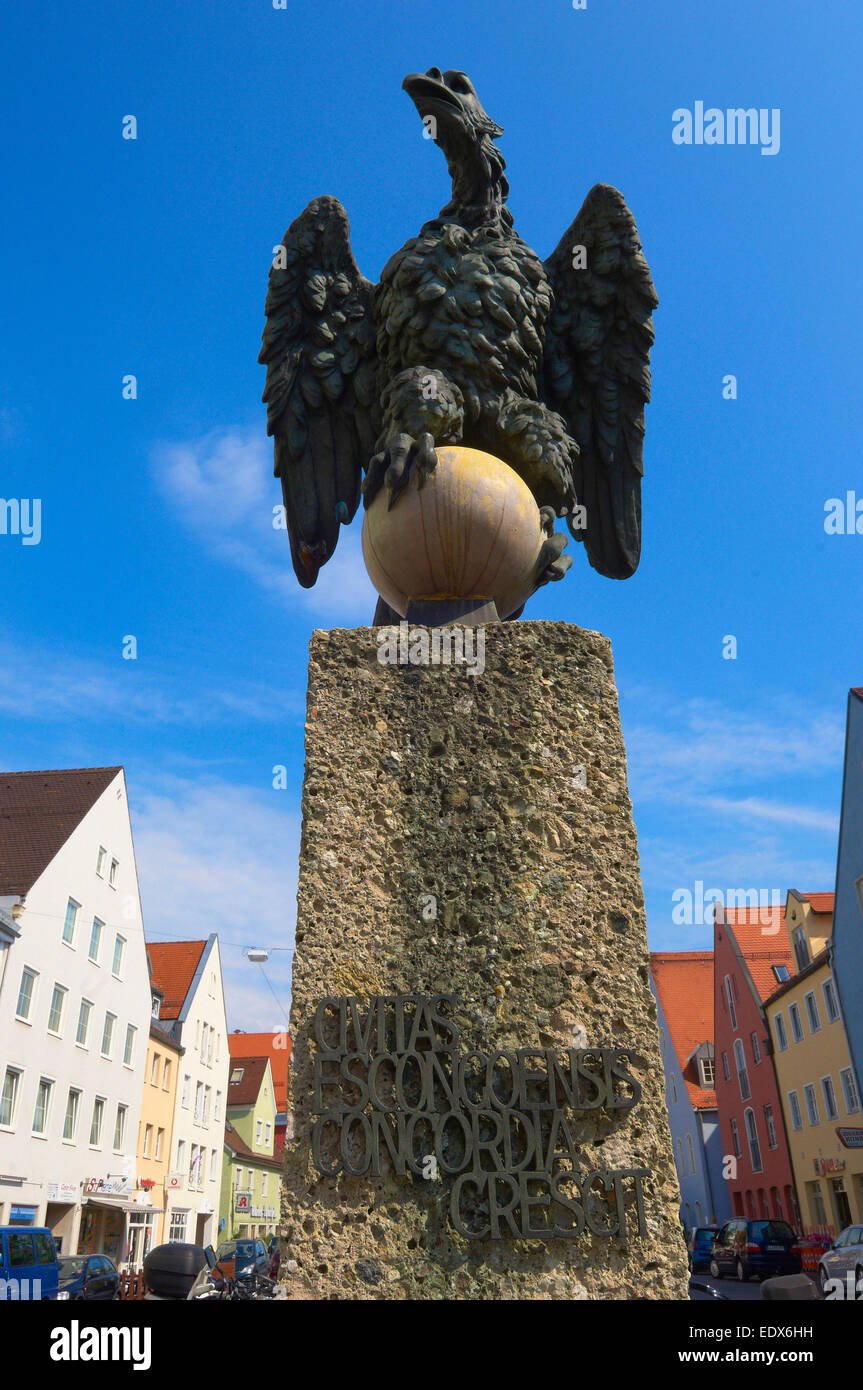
(472, 531)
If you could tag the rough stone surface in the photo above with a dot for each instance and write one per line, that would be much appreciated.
(430, 780)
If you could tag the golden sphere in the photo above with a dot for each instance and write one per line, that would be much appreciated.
(472, 531)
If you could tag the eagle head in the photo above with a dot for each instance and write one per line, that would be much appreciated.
(454, 115)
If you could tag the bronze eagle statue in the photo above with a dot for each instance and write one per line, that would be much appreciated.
(469, 338)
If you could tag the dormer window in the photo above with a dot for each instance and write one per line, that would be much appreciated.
(236, 1075)
(782, 973)
(707, 1069)
(156, 1005)
(801, 948)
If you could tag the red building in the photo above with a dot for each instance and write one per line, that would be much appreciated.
(752, 957)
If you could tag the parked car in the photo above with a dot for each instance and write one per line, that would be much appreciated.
(761, 1247)
(274, 1251)
(28, 1263)
(244, 1257)
(699, 1245)
(844, 1257)
(88, 1276)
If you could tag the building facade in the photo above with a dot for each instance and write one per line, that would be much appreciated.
(74, 1008)
(276, 1046)
(847, 939)
(188, 1003)
(752, 956)
(251, 1174)
(817, 1084)
(682, 983)
(156, 1138)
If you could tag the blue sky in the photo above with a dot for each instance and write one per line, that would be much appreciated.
(150, 257)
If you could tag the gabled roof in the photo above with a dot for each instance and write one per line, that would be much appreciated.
(684, 984)
(240, 1149)
(819, 902)
(38, 813)
(762, 941)
(247, 1088)
(172, 970)
(264, 1045)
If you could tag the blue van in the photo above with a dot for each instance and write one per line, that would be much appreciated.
(28, 1263)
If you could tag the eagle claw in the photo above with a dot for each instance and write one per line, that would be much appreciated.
(392, 468)
(552, 563)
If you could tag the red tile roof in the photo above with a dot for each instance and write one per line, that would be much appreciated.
(760, 934)
(684, 983)
(819, 902)
(246, 1089)
(264, 1045)
(38, 813)
(240, 1148)
(172, 969)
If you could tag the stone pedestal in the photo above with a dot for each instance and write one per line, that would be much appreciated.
(468, 841)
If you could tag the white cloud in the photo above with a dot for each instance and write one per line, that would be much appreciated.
(223, 489)
(218, 858)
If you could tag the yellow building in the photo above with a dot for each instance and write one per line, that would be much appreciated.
(815, 1074)
(155, 1139)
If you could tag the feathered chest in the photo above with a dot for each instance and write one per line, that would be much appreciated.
(475, 301)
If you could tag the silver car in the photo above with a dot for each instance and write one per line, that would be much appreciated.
(844, 1257)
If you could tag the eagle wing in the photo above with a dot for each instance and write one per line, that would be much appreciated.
(596, 370)
(321, 389)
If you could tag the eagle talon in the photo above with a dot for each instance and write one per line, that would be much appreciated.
(392, 468)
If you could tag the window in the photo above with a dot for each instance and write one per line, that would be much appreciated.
(205, 1036)
(268, 1128)
(26, 990)
(849, 1088)
(830, 1110)
(120, 1128)
(55, 1013)
(265, 1183)
(129, 1049)
(772, 1142)
(194, 1156)
(801, 948)
(782, 973)
(796, 1025)
(177, 1228)
(742, 1074)
(108, 1034)
(735, 1138)
(811, 1104)
(100, 861)
(794, 1107)
(112, 875)
(708, 1073)
(83, 1022)
(259, 1126)
(160, 1136)
(71, 922)
(96, 1122)
(187, 1085)
(8, 1097)
(154, 1069)
(213, 1161)
(148, 1139)
(155, 1006)
(117, 963)
(43, 1105)
(729, 997)
(217, 1107)
(205, 1118)
(70, 1120)
(166, 1075)
(199, 1103)
(756, 1049)
(181, 1155)
(236, 1075)
(812, 1011)
(726, 1070)
(830, 1002)
(752, 1137)
(781, 1035)
(95, 940)
(690, 1153)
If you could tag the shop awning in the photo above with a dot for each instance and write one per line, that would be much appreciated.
(117, 1203)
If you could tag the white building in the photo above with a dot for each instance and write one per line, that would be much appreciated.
(74, 1007)
(190, 1005)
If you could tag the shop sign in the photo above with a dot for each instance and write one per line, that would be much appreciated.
(62, 1191)
(828, 1165)
(115, 1185)
(851, 1138)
